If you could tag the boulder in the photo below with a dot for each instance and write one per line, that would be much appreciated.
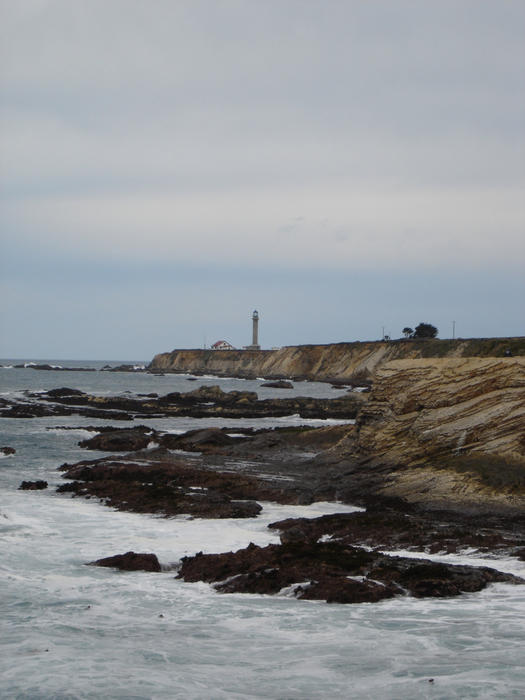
(130, 561)
(33, 485)
(7, 450)
(120, 440)
(64, 391)
(207, 440)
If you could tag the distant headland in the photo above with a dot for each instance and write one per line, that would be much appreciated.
(343, 362)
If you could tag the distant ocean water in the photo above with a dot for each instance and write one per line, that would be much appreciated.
(75, 632)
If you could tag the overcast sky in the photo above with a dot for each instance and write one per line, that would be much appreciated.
(343, 166)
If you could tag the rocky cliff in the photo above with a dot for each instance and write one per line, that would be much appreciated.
(443, 431)
(340, 361)
(430, 407)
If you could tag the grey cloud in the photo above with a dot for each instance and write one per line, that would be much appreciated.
(127, 119)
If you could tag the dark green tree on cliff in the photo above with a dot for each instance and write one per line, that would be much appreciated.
(408, 332)
(425, 330)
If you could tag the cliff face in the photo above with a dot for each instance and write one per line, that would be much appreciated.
(420, 409)
(452, 430)
(341, 361)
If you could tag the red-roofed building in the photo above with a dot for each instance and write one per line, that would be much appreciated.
(222, 345)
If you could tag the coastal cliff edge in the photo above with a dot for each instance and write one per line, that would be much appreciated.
(350, 362)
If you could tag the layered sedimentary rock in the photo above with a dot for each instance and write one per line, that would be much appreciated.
(340, 361)
(420, 409)
(443, 432)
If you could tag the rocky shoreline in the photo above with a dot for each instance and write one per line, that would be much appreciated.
(436, 456)
(204, 402)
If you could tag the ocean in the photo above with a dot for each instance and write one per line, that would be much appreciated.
(71, 631)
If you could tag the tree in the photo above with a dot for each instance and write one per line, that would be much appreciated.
(425, 330)
(408, 332)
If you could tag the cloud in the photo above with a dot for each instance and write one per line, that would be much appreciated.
(340, 226)
(284, 136)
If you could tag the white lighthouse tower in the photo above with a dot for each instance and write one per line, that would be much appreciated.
(255, 333)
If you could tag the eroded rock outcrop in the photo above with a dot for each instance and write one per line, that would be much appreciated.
(334, 572)
(120, 440)
(204, 402)
(446, 432)
(420, 409)
(173, 488)
(38, 485)
(130, 561)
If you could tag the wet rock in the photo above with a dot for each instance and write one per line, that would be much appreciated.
(387, 527)
(120, 440)
(207, 440)
(123, 368)
(130, 561)
(75, 487)
(7, 450)
(55, 368)
(33, 485)
(296, 534)
(334, 572)
(279, 384)
(520, 553)
(64, 391)
(170, 488)
(31, 410)
(205, 401)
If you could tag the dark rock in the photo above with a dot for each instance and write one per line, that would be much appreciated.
(33, 485)
(520, 553)
(334, 572)
(296, 534)
(130, 561)
(75, 487)
(279, 384)
(123, 368)
(170, 489)
(245, 509)
(64, 391)
(389, 525)
(32, 410)
(205, 401)
(346, 590)
(120, 440)
(7, 450)
(49, 368)
(207, 440)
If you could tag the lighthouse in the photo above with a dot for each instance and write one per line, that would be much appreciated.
(255, 333)
(255, 330)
